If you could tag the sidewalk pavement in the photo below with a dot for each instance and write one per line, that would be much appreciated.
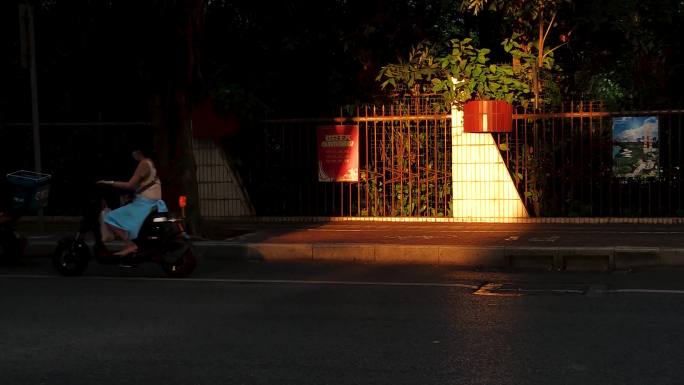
(469, 245)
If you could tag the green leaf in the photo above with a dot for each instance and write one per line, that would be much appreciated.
(503, 146)
(492, 68)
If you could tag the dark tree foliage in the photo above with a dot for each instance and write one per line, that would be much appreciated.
(627, 52)
(105, 60)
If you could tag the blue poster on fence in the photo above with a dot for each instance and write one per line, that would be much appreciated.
(635, 146)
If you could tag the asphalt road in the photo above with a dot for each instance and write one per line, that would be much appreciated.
(255, 323)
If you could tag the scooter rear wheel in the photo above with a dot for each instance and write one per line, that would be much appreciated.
(179, 266)
(71, 257)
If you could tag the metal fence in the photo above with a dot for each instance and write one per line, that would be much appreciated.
(405, 165)
(561, 162)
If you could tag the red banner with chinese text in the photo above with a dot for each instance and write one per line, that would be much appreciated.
(338, 153)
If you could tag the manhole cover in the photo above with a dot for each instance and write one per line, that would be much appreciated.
(516, 290)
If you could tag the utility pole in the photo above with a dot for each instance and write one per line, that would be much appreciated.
(26, 23)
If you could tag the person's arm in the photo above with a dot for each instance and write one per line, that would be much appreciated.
(139, 175)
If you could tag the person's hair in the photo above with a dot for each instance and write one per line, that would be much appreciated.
(145, 150)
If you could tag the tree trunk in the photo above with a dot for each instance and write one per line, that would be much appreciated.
(540, 60)
(172, 107)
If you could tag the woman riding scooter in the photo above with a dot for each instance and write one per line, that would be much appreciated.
(126, 221)
(152, 234)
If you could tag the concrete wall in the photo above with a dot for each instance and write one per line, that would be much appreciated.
(483, 190)
(220, 190)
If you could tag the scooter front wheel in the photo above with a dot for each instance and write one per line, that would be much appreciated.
(71, 257)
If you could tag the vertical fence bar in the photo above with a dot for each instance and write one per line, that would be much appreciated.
(418, 190)
(296, 161)
(567, 158)
(680, 166)
(409, 180)
(283, 163)
(366, 170)
(555, 181)
(446, 125)
(526, 163)
(374, 148)
(384, 162)
(402, 155)
(669, 171)
(518, 151)
(426, 161)
(582, 153)
(542, 154)
(409, 166)
(593, 157)
(435, 162)
(351, 199)
(310, 197)
(393, 161)
(358, 184)
(609, 181)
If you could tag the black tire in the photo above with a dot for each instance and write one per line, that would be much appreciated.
(180, 263)
(71, 257)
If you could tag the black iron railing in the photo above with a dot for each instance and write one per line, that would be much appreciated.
(561, 162)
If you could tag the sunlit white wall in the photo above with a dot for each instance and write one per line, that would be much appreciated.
(483, 190)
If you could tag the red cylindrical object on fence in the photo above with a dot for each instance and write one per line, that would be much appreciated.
(487, 116)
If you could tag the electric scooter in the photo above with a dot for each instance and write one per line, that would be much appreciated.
(162, 240)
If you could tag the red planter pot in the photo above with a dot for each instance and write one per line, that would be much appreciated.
(207, 123)
(487, 116)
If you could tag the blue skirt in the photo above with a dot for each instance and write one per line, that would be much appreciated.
(130, 217)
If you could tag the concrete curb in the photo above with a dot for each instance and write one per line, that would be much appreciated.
(549, 258)
(536, 257)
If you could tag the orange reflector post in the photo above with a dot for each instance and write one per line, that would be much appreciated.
(182, 201)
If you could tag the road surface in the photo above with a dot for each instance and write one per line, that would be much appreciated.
(262, 323)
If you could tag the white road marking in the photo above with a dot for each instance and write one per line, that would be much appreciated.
(648, 291)
(487, 290)
(547, 239)
(257, 281)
